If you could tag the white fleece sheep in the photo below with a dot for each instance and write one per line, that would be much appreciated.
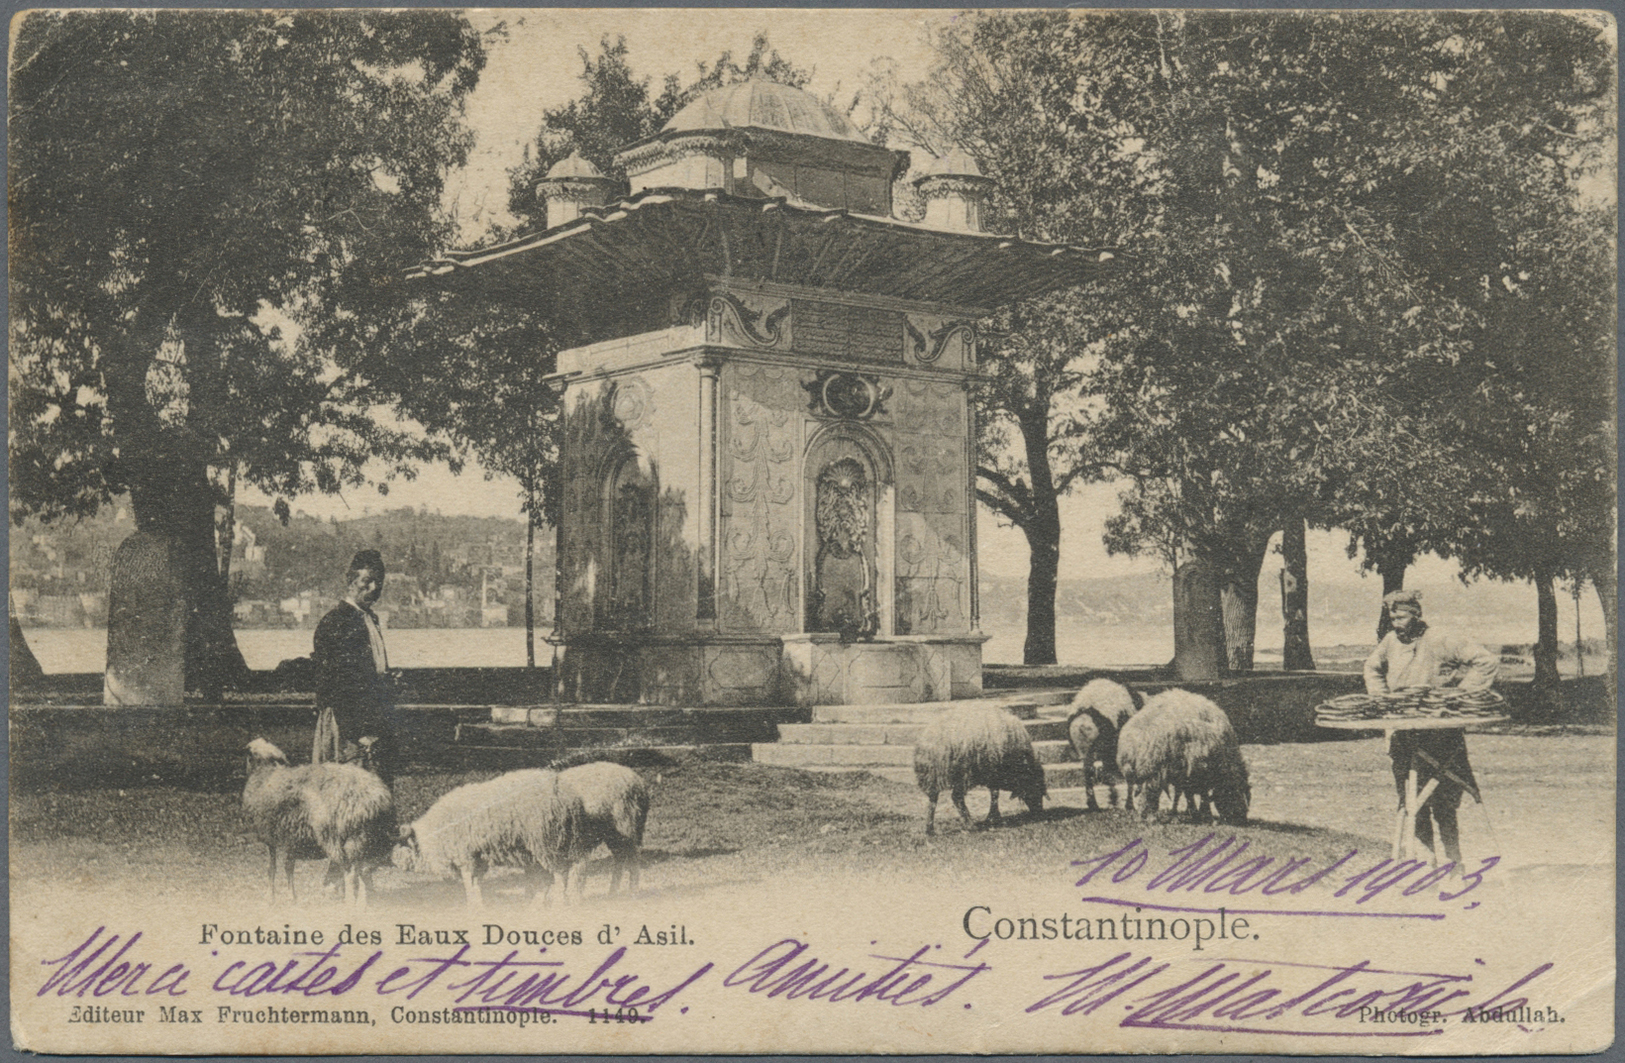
(977, 745)
(615, 804)
(522, 819)
(338, 811)
(1183, 743)
(1098, 713)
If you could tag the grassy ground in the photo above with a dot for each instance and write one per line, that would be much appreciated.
(718, 823)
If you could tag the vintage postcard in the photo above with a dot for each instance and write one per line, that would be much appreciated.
(812, 531)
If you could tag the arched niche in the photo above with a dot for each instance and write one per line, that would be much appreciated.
(630, 497)
(847, 481)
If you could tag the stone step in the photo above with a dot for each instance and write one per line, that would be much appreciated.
(798, 755)
(514, 736)
(1023, 706)
(1065, 777)
(511, 758)
(752, 724)
(891, 734)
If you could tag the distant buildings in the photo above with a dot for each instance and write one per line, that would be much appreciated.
(453, 572)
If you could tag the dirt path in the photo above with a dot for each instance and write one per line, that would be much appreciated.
(1549, 802)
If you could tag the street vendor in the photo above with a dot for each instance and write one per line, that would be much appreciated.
(1414, 655)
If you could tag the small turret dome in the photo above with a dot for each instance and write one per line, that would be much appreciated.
(957, 162)
(955, 191)
(757, 104)
(574, 167)
(571, 186)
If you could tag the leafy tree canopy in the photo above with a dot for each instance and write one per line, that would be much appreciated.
(1342, 230)
(185, 186)
(207, 211)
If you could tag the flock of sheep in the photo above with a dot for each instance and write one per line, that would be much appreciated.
(546, 821)
(1178, 743)
(549, 821)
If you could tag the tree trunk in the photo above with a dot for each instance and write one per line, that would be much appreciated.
(1044, 562)
(1579, 636)
(226, 527)
(530, 589)
(1238, 596)
(1295, 652)
(1546, 675)
(168, 476)
(1043, 530)
(171, 496)
(25, 668)
(1607, 594)
(1199, 643)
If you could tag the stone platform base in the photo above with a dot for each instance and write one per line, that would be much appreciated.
(820, 669)
(808, 669)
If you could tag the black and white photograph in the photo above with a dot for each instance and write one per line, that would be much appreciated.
(812, 531)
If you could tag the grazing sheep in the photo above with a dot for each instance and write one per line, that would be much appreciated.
(615, 803)
(1183, 743)
(977, 745)
(1098, 712)
(339, 811)
(521, 819)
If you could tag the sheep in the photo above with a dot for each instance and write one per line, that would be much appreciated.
(978, 745)
(1098, 712)
(615, 803)
(339, 811)
(521, 819)
(1183, 743)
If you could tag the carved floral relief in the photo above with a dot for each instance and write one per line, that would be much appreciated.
(758, 587)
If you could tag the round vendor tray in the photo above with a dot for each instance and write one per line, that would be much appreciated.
(1405, 723)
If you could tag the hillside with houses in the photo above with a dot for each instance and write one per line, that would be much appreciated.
(445, 571)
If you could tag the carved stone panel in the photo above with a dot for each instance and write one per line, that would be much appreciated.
(629, 547)
(586, 450)
(736, 319)
(931, 586)
(944, 343)
(758, 586)
(853, 333)
(932, 474)
(932, 567)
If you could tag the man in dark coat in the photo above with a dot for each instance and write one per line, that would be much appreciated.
(353, 696)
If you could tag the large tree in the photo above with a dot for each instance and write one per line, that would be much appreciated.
(207, 210)
(1310, 203)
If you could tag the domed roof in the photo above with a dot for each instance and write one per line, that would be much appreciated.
(757, 104)
(573, 167)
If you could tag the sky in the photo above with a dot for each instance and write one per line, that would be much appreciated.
(537, 67)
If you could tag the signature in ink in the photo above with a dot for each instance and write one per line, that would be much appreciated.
(1275, 996)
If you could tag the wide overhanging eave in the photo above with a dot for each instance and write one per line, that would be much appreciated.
(664, 239)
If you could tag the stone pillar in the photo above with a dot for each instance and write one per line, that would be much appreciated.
(146, 623)
(1199, 649)
(975, 588)
(706, 608)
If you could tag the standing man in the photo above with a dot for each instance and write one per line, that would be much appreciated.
(1414, 655)
(353, 696)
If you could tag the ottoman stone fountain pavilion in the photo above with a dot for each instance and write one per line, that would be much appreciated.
(768, 450)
